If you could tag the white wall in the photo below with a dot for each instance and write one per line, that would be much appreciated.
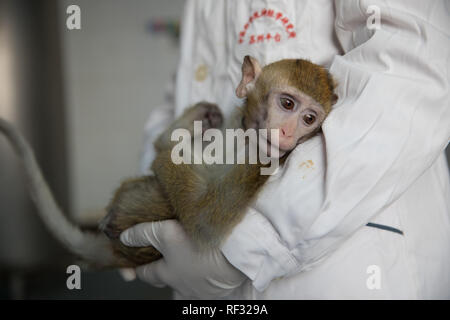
(115, 72)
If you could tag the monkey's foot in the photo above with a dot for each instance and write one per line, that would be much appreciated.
(131, 257)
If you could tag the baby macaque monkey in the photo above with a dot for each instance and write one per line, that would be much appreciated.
(293, 96)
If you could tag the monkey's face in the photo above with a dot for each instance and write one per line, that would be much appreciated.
(293, 96)
(295, 114)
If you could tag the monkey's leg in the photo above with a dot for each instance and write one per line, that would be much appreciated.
(137, 200)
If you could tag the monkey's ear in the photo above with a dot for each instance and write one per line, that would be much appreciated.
(334, 97)
(250, 72)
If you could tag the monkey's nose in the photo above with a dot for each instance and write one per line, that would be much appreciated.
(283, 132)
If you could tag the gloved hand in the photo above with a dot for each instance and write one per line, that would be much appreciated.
(192, 274)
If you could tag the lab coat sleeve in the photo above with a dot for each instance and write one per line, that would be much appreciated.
(391, 123)
(256, 249)
(159, 119)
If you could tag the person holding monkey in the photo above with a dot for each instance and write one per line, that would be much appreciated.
(360, 211)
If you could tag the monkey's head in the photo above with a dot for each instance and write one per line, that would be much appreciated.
(291, 95)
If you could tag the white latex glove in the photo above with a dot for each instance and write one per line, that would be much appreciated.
(192, 274)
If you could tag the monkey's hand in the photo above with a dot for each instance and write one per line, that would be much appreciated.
(208, 113)
(192, 274)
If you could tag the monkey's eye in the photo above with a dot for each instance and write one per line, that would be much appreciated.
(309, 119)
(286, 103)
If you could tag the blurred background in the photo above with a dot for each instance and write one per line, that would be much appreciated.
(81, 97)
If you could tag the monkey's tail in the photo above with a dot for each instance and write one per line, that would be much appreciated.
(95, 248)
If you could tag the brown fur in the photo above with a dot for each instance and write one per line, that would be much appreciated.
(312, 79)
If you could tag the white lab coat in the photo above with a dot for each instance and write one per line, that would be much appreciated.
(380, 158)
